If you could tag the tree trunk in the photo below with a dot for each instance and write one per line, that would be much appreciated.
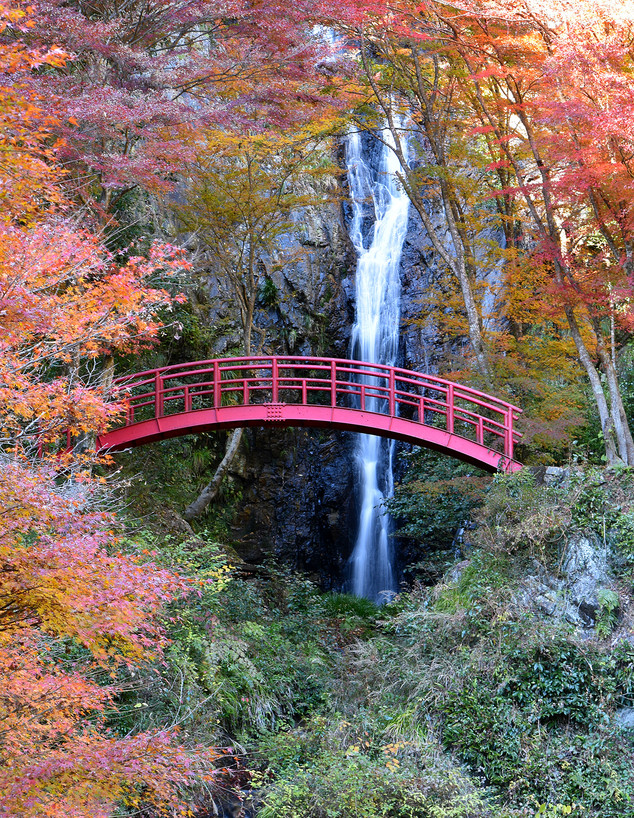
(107, 376)
(247, 297)
(458, 268)
(456, 263)
(208, 494)
(619, 418)
(605, 417)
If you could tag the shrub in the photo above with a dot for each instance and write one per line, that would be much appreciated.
(347, 771)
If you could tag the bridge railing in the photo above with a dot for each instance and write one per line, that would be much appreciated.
(317, 381)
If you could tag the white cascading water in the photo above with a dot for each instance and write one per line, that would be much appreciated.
(375, 338)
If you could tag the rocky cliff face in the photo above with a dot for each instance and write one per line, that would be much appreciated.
(298, 502)
(298, 485)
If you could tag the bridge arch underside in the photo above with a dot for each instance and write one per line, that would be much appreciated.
(324, 417)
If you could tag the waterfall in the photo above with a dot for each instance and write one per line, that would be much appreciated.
(375, 338)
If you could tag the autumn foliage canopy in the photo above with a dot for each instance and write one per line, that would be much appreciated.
(522, 110)
(72, 606)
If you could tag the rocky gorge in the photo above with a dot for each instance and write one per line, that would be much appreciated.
(498, 683)
(297, 487)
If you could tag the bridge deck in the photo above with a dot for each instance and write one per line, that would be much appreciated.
(322, 392)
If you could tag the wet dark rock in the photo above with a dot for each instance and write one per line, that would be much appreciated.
(298, 501)
(419, 271)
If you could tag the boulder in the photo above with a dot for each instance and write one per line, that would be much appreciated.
(585, 570)
(625, 718)
(573, 595)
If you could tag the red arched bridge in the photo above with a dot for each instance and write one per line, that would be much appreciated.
(322, 392)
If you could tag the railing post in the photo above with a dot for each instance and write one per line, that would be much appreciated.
(187, 399)
(158, 396)
(217, 393)
(480, 432)
(508, 448)
(362, 397)
(450, 407)
(392, 396)
(333, 384)
(274, 381)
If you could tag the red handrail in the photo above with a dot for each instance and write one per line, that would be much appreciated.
(376, 389)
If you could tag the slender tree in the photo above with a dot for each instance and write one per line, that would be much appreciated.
(415, 79)
(239, 199)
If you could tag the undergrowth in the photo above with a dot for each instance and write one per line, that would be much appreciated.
(452, 701)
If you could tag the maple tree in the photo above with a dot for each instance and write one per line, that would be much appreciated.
(240, 197)
(73, 607)
(521, 110)
(146, 77)
(61, 584)
(573, 69)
